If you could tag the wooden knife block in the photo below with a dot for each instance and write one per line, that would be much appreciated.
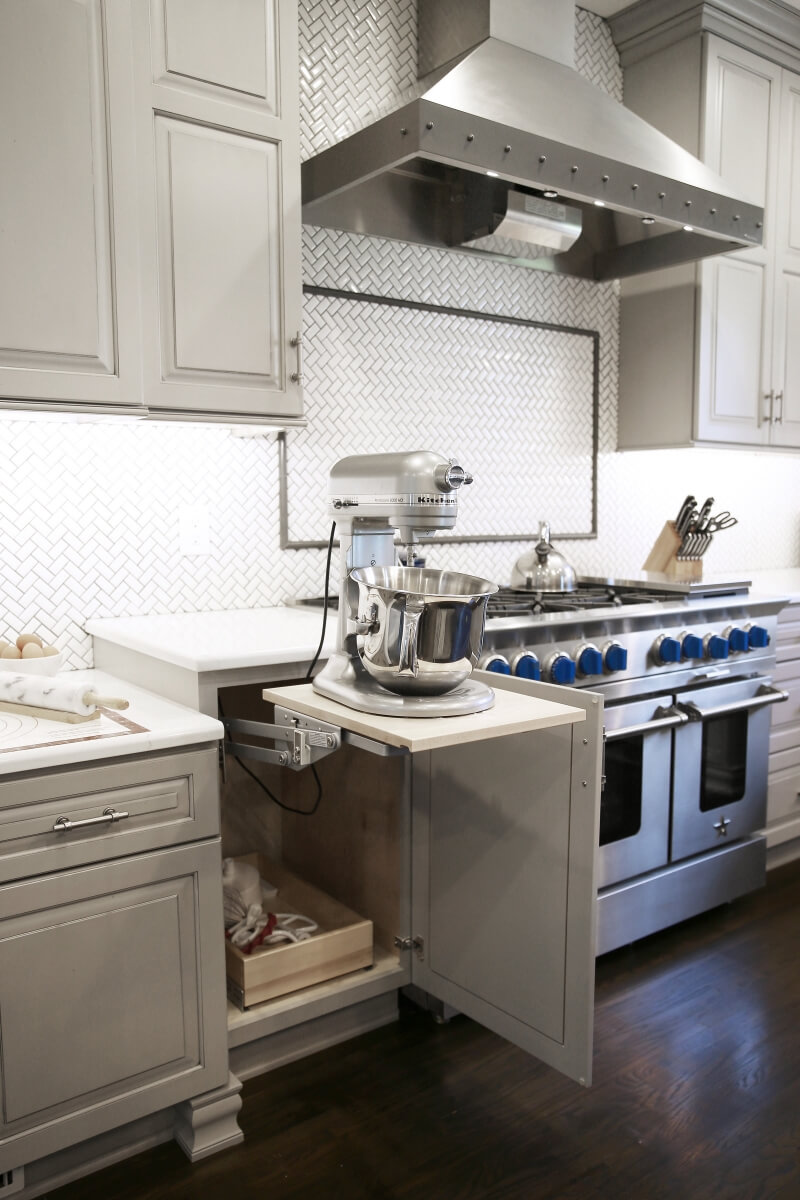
(663, 557)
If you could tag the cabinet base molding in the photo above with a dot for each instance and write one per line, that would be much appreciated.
(288, 1045)
(786, 852)
(65, 1166)
(208, 1123)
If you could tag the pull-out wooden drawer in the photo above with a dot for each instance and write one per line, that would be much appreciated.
(61, 819)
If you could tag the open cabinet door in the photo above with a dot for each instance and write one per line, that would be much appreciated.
(503, 880)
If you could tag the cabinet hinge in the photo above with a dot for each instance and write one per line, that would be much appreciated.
(408, 943)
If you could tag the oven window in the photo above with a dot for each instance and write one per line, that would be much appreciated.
(724, 761)
(621, 802)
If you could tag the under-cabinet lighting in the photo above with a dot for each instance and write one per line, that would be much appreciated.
(688, 229)
(494, 174)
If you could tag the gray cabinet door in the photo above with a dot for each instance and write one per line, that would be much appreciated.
(68, 300)
(503, 881)
(218, 138)
(111, 996)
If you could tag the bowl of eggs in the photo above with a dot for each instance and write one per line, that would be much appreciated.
(31, 655)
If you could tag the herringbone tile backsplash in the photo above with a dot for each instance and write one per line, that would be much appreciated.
(89, 513)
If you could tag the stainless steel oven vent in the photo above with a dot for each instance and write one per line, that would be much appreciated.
(502, 117)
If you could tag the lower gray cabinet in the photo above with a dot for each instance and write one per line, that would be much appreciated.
(105, 1010)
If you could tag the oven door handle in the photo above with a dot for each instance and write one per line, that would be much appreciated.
(764, 695)
(665, 718)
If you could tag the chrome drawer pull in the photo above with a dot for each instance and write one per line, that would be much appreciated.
(110, 815)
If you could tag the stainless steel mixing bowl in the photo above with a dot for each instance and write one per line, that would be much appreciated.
(423, 629)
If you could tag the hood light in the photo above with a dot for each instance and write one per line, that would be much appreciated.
(688, 229)
(493, 174)
(648, 220)
(599, 203)
(550, 194)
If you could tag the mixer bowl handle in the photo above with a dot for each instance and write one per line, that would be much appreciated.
(408, 664)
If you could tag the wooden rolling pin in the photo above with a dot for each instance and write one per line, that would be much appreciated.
(52, 697)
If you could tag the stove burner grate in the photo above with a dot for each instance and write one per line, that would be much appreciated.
(519, 603)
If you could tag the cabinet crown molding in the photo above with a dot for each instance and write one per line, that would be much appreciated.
(766, 27)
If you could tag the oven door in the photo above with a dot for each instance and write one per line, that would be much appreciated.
(720, 764)
(634, 804)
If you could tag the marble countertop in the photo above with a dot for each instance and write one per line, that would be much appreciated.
(149, 723)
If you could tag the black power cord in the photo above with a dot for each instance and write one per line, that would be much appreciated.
(315, 659)
(300, 812)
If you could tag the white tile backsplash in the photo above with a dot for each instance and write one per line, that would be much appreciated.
(90, 513)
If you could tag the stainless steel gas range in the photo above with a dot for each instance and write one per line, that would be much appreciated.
(685, 673)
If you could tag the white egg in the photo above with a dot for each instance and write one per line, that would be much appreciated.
(11, 652)
(25, 638)
(32, 650)
(49, 651)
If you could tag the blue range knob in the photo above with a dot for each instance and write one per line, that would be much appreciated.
(590, 661)
(668, 650)
(615, 656)
(739, 639)
(692, 646)
(716, 646)
(496, 663)
(562, 668)
(526, 666)
(758, 637)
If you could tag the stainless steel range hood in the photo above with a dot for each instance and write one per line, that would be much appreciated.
(504, 124)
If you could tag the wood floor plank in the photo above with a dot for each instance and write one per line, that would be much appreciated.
(696, 1093)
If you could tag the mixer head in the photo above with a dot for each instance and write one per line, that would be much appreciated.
(414, 491)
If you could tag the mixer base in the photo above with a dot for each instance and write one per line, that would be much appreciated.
(368, 696)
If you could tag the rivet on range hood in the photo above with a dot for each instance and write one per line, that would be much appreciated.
(499, 128)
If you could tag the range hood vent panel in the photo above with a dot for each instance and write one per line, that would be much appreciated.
(437, 170)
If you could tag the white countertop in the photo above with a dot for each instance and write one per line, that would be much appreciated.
(219, 641)
(781, 581)
(157, 724)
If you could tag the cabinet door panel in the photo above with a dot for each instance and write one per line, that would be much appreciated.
(786, 342)
(111, 996)
(731, 355)
(739, 148)
(503, 883)
(217, 234)
(219, 206)
(113, 970)
(228, 46)
(786, 424)
(68, 269)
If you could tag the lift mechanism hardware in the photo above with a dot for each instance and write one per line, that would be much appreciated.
(301, 740)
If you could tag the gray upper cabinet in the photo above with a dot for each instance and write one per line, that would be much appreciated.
(706, 353)
(68, 300)
(150, 207)
(218, 139)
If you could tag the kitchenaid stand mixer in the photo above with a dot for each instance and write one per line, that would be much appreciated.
(415, 493)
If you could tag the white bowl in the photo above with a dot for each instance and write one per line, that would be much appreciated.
(50, 664)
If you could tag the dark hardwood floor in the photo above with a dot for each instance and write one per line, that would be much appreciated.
(696, 1093)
